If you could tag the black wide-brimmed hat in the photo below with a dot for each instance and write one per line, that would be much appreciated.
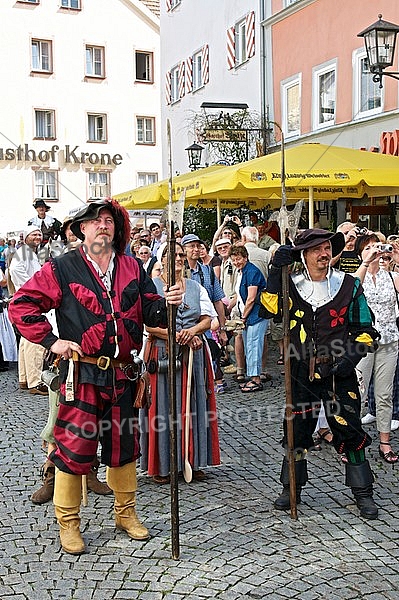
(40, 202)
(120, 215)
(309, 238)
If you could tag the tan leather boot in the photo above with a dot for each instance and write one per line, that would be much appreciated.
(67, 497)
(123, 482)
(93, 483)
(45, 493)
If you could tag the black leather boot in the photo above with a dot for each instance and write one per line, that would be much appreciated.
(360, 479)
(301, 477)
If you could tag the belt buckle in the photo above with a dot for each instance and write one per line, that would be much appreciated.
(103, 362)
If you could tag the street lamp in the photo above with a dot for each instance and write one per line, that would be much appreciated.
(194, 156)
(380, 41)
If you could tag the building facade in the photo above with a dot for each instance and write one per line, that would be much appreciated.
(210, 65)
(80, 111)
(316, 84)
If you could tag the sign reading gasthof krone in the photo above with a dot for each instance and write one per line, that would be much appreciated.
(68, 154)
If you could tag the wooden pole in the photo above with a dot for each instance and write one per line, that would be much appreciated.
(172, 310)
(286, 342)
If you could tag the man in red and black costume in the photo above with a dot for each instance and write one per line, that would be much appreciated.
(331, 330)
(101, 298)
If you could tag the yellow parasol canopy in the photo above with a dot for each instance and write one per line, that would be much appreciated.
(312, 170)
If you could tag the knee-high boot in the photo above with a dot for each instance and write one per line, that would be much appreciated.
(301, 477)
(67, 497)
(359, 478)
(123, 482)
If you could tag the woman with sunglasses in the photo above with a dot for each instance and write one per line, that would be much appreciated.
(192, 320)
(380, 289)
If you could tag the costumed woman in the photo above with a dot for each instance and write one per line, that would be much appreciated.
(192, 320)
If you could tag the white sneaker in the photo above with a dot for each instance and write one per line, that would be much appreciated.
(368, 419)
(394, 424)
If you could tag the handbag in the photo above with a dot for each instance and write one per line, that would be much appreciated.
(397, 299)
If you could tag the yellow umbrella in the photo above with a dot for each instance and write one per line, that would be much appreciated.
(329, 172)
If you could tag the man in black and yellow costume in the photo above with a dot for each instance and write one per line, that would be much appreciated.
(330, 331)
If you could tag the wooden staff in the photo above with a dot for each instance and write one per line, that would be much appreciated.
(286, 342)
(172, 310)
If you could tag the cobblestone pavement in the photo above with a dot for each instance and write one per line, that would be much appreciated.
(234, 545)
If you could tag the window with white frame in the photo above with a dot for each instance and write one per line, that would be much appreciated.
(174, 84)
(97, 127)
(144, 66)
(42, 56)
(324, 95)
(197, 70)
(145, 127)
(95, 62)
(45, 124)
(46, 185)
(367, 94)
(146, 178)
(71, 4)
(291, 106)
(99, 185)
(240, 42)
(29, 1)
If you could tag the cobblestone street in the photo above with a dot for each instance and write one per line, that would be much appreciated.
(234, 545)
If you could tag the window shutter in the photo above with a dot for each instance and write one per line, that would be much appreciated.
(205, 64)
(250, 34)
(168, 91)
(182, 87)
(168, 5)
(231, 48)
(189, 74)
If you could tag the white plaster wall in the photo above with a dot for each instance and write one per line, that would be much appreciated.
(121, 26)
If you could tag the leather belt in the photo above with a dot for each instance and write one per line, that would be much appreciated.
(103, 362)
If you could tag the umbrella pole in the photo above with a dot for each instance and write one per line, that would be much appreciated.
(218, 213)
(311, 207)
(172, 311)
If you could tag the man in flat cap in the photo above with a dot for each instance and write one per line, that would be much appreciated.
(101, 299)
(331, 330)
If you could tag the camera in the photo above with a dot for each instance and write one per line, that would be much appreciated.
(361, 230)
(385, 247)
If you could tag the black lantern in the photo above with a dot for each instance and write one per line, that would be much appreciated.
(194, 156)
(380, 42)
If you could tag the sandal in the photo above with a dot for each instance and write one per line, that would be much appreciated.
(322, 437)
(265, 377)
(240, 378)
(252, 386)
(280, 360)
(390, 456)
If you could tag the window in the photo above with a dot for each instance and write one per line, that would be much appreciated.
(174, 84)
(95, 66)
(46, 185)
(45, 124)
(146, 178)
(324, 90)
(29, 1)
(97, 128)
(240, 43)
(367, 94)
(144, 67)
(288, 2)
(145, 130)
(197, 70)
(174, 3)
(41, 56)
(291, 106)
(99, 185)
(70, 4)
